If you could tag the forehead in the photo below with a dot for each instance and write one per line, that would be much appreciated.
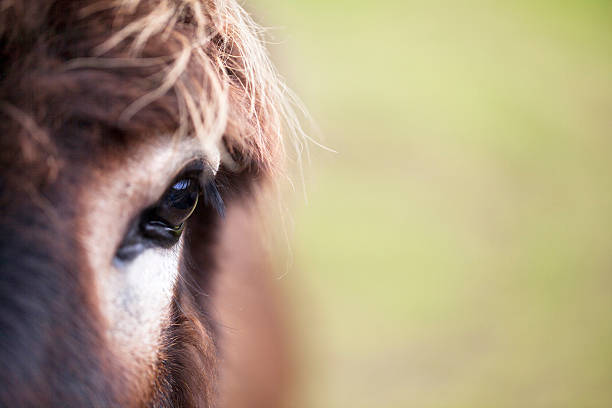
(57, 107)
(90, 149)
(75, 122)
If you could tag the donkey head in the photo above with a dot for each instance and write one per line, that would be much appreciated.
(131, 134)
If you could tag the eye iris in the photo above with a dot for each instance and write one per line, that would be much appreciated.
(179, 202)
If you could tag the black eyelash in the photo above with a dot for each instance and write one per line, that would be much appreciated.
(212, 197)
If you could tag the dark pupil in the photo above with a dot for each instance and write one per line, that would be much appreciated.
(179, 202)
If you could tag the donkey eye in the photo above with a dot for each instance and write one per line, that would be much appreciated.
(179, 202)
(162, 224)
(167, 219)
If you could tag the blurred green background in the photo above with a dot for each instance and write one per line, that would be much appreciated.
(456, 251)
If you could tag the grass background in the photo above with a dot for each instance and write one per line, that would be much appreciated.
(456, 251)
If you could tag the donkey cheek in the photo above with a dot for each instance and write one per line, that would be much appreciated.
(136, 299)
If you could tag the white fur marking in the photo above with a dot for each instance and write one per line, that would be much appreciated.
(137, 299)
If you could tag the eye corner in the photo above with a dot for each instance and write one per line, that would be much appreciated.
(160, 232)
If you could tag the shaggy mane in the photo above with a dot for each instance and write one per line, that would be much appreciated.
(203, 60)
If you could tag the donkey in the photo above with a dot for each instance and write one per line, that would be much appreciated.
(136, 138)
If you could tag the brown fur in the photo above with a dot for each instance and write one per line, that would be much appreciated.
(82, 82)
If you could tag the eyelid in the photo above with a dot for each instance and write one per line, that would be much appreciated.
(200, 166)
